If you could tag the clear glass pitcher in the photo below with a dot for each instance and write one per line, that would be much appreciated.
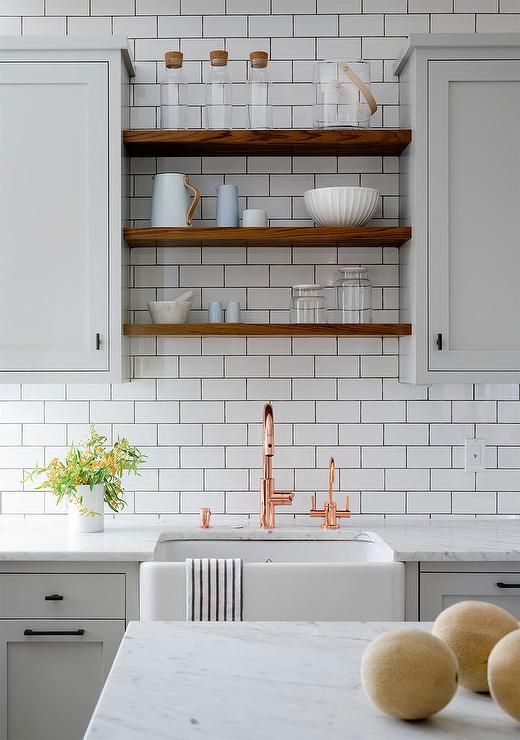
(343, 98)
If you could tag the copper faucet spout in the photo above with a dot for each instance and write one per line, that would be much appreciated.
(332, 471)
(269, 497)
(268, 439)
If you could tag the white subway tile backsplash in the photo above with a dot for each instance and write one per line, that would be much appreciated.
(452, 480)
(508, 502)
(383, 457)
(67, 412)
(179, 434)
(292, 367)
(382, 411)
(42, 434)
(407, 479)
(431, 502)
(224, 389)
(337, 367)
(195, 405)
(382, 503)
(429, 411)
(10, 25)
(106, 412)
(406, 434)
(192, 412)
(179, 389)
(156, 412)
(181, 479)
(22, 7)
(475, 411)
(453, 23)
(483, 502)
(361, 434)
(314, 389)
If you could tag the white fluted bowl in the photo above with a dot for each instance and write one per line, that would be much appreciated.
(341, 206)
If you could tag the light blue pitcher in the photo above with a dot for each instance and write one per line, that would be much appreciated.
(172, 201)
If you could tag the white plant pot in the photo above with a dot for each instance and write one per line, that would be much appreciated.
(93, 500)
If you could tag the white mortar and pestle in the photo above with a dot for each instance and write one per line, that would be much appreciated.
(171, 312)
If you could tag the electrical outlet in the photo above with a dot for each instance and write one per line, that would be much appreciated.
(475, 455)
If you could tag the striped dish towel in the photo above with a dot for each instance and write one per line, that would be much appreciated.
(214, 590)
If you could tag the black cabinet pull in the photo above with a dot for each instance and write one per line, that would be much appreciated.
(439, 342)
(39, 633)
(54, 597)
(508, 585)
(98, 341)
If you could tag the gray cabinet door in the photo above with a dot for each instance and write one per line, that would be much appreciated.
(54, 208)
(50, 683)
(440, 590)
(473, 203)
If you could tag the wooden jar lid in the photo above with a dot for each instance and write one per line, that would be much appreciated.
(259, 58)
(218, 57)
(173, 59)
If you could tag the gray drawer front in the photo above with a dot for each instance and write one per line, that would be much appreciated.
(62, 595)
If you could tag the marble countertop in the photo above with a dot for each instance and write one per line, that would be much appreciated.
(264, 680)
(437, 540)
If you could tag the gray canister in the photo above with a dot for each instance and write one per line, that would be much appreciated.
(227, 205)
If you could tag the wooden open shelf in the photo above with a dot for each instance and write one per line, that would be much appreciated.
(268, 330)
(276, 142)
(307, 236)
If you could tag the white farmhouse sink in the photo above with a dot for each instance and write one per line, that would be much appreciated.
(285, 579)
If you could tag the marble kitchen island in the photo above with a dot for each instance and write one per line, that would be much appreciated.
(263, 681)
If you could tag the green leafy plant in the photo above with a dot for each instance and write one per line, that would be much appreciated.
(90, 463)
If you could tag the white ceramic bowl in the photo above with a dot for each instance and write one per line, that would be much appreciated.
(169, 312)
(341, 206)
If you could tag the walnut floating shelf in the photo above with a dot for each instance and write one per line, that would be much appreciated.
(268, 330)
(277, 142)
(306, 236)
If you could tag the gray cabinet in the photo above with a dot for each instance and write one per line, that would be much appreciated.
(62, 206)
(460, 187)
(437, 591)
(60, 628)
(52, 675)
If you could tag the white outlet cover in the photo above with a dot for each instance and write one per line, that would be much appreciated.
(475, 453)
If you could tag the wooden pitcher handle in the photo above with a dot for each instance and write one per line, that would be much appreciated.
(363, 89)
(194, 202)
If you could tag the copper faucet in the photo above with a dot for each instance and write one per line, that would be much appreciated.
(269, 497)
(330, 511)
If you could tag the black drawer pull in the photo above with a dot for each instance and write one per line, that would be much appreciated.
(38, 633)
(508, 585)
(54, 597)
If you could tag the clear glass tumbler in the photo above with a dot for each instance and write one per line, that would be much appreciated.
(354, 291)
(308, 305)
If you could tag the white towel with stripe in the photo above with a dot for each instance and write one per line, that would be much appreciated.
(214, 590)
